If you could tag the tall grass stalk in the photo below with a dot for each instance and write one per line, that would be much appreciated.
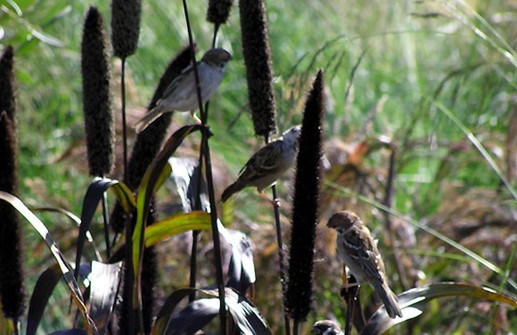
(210, 184)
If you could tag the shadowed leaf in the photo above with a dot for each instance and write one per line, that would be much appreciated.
(157, 172)
(69, 332)
(91, 201)
(412, 303)
(42, 291)
(241, 271)
(56, 252)
(245, 316)
(105, 279)
(185, 172)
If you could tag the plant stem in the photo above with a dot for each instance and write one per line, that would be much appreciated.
(193, 265)
(296, 326)
(124, 123)
(281, 263)
(215, 235)
(129, 279)
(105, 218)
(388, 202)
(210, 185)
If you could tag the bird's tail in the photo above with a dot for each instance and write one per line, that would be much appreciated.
(230, 190)
(390, 301)
(148, 118)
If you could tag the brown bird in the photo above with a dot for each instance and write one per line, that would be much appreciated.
(358, 250)
(267, 165)
(181, 94)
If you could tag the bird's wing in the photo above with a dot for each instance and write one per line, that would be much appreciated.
(361, 247)
(263, 162)
(174, 84)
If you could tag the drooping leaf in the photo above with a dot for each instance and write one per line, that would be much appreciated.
(194, 317)
(92, 199)
(241, 270)
(63, 264)
(245, 316)
(186, 173)
(42, 291)
(75, 219)
(412, 303)
(155, 175)
(176, 224)
(105, 280)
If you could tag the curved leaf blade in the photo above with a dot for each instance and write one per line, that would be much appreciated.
(55, 251)
(245, 316)
(411, 302)
(176, 224)
(185, 172)
(155, 175)
(105, 280)
(45, 284)
(91, 201)
(241, 270)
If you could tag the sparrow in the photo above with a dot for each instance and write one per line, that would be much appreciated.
(267, 165)
(357, 249)
(326, 327)
(181, 94)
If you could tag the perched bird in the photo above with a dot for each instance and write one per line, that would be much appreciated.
(326, 327)
(181, 94)
(267, 164)
(358, 250)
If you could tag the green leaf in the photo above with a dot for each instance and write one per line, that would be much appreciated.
(63, 264)
(157, 172)
(176, 224)
(412, 303)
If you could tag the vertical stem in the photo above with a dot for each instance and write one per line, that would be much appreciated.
(210, 185)
(193, 265)
(105, 218)
(214, 39)
(129, 278)
(388, 202)
(281, 262)
(296, 326)
(124, 123)
(215, 235)
(280, 245)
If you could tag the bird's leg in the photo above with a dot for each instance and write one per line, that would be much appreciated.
(274, 202)
(198, 121)
(347, 285)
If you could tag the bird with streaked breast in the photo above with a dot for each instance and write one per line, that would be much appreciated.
(357, 249)
(267, 165)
